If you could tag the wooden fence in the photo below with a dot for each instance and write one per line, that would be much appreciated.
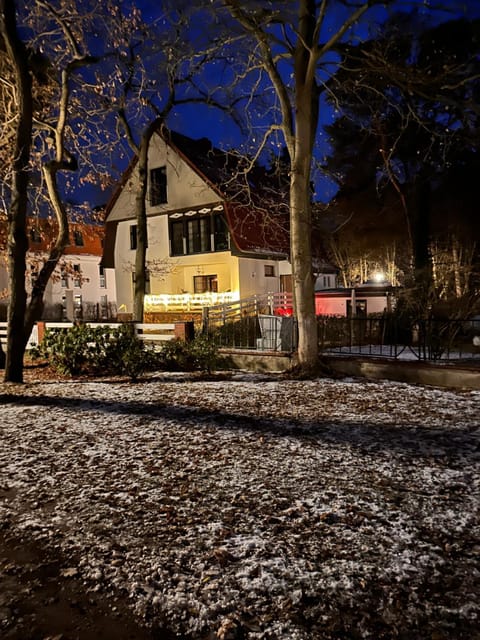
(150, 332)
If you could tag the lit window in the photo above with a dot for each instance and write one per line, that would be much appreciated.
(158, 186)
(202, 284)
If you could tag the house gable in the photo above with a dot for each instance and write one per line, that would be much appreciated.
(186, 188)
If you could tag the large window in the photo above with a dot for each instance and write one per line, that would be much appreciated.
(134, 237)
(197, 233)
(158, 186)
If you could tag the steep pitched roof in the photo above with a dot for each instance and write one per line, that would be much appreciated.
(255, 205)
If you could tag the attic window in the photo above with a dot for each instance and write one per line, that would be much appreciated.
(78, 238)
(35, 235)
(158, 186)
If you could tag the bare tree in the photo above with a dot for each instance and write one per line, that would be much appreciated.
(289, 41)
(59, 38)
(17, 237)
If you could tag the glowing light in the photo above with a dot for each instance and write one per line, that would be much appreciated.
(379, 276)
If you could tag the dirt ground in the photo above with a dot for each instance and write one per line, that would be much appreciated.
(39, 600)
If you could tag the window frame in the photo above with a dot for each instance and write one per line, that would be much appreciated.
(158, 186)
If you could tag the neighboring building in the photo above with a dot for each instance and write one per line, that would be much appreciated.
(214, 235)
(80, 287)
(361, 301)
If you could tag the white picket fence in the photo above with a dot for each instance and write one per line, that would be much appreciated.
(149, 332)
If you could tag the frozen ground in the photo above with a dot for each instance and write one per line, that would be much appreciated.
(249, 506)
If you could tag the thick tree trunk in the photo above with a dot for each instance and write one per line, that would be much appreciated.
(306, 121)
(17, 236)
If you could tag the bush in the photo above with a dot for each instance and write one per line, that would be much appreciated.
(71, 351)
(83, 349)
(126, 354)
(199, 354)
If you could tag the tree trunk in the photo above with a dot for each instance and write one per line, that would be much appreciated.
(17, 237)
(306, 121)
(141, 221)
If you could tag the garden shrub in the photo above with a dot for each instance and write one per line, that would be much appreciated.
(83, 349)
(198, 354)
(116, 350)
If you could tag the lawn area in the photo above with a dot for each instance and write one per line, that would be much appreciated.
(243, 506)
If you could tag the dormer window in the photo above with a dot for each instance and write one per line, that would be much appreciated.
(35, 237)
(78, 238)
(158, 186)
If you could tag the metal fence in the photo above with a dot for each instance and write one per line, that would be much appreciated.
(393, 337)
(387, 336)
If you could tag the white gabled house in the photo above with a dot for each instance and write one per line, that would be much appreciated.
(211, 237)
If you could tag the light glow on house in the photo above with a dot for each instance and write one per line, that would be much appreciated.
(188, 301)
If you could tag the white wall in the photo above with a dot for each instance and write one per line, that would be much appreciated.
(185, 188)
(90, 290)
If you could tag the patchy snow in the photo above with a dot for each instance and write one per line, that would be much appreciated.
(255, 506)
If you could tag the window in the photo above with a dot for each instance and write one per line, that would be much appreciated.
(78, 238)
(35, 235)
(177, 247)
(147, 282)
(158, 186)
(269, 271)
(360, 308)
(78, 307)
(133, 236)
(64, 279)
(202, 284)
(220, 233)
(103, 281)
(195, 233)
(77, 276)
(198, 235)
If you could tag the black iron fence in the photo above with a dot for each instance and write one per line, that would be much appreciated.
(395, 337)
(385, 336)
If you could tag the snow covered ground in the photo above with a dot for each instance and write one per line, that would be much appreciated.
(250, 506)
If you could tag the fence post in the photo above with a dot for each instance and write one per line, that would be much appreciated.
(205, 320)
(184, 330)
(40, 331)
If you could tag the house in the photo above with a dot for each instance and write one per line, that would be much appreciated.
(215, 233)
(80, 286)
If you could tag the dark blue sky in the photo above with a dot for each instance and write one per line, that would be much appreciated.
(200, 121)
